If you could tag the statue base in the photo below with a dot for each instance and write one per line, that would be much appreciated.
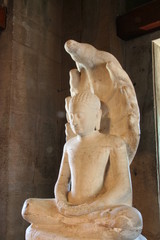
(69, 232)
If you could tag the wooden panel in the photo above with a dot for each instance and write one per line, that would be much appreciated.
(156, 87)
(139, 21)
(2, 18)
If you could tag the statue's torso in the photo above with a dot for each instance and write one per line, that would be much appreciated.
(88, 161)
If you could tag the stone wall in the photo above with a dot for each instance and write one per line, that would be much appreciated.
(30, 57)
(5, 88)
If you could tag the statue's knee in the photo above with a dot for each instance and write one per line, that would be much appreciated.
(137, 218)
(129, 218)
(26, 207)
(134, 218)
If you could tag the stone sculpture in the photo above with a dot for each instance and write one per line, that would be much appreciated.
(93, 193)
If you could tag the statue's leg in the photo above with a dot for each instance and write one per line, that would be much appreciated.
(45, 212)
(124, 219)
(41, 211)
(121, 222)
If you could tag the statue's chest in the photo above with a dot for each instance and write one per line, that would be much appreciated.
(88, 157)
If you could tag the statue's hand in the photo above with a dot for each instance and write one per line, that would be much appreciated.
(69, 209)
(62, 206)
(78, 210)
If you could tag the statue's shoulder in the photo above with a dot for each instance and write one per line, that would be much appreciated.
(70, 142)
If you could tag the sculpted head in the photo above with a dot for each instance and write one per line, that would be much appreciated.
(84, 113)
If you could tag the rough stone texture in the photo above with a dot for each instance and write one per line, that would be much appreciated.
(30, 60)
(5, 87)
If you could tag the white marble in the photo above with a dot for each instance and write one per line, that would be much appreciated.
(93, 193)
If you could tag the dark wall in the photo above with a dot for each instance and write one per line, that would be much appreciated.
(5, 88)
(138, 57)
(30, 112)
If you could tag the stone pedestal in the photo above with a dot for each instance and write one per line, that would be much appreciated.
(57, 233)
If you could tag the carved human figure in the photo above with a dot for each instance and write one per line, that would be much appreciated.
(102, 74)
(93, 193)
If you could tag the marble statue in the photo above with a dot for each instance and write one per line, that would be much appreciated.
(93, 193)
